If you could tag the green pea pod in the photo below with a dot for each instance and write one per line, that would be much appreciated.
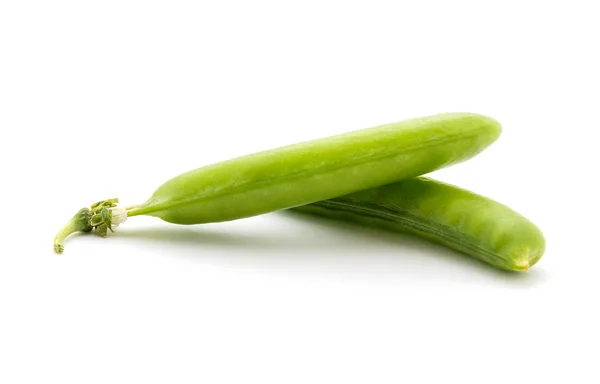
(303, 173)
(445, 214)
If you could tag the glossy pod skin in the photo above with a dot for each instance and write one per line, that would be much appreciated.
(321, 169)
(445, 214)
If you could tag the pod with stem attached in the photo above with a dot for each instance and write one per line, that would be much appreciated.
(302, 173)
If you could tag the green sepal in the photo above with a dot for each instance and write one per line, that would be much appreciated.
(98, 217)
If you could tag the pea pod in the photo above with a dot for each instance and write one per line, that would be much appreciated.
(303, 173)
(442, 213)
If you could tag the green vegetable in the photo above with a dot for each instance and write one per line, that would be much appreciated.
(442, 213)
(303, 173)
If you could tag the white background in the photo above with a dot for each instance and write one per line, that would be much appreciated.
(110, 99)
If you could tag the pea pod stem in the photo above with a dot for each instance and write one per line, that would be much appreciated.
(78, 223)
(101, 217)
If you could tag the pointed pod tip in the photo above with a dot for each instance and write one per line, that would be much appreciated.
(522, 267)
